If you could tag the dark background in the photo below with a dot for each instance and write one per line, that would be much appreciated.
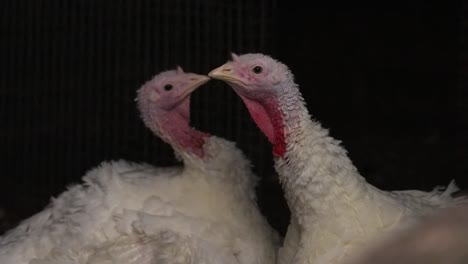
(389, 81)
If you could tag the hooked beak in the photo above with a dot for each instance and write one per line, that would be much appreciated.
(226, 73)
(196, 81)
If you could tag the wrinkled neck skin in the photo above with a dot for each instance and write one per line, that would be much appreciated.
(174, 128)
(187, 142)
(315, 172)
(200, 152)
(204, 155)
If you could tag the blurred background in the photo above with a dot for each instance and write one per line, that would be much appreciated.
(389, 81)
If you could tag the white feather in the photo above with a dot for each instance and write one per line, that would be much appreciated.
(208, 205)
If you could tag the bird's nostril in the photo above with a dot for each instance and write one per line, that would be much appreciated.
(193, 78)
(226, 70)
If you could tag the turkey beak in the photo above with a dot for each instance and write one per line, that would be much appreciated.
(221, 73)
(225, 73)
(195, 81)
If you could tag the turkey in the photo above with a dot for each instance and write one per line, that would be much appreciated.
(124, 212)
(334, 211)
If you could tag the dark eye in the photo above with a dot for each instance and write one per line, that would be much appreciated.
(257, 69)
(168, 87)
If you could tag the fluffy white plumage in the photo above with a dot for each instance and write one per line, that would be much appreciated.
(203, 212)
(335, 213)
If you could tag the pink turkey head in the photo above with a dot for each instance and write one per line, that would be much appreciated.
(169, 89)
(252, 75)
(259, 80)
(164, 104)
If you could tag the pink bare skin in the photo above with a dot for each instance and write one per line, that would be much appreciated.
(261, 102)
(164, 102)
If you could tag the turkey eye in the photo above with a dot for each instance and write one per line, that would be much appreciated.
(257, 69)
(168, 87)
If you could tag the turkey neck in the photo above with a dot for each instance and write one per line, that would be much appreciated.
(315, 172)
(185, 139)
(174, 128)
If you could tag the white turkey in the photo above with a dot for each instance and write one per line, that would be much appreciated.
(202, 212)
(334, 211)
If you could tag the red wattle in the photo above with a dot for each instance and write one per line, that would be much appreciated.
(269, 119)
